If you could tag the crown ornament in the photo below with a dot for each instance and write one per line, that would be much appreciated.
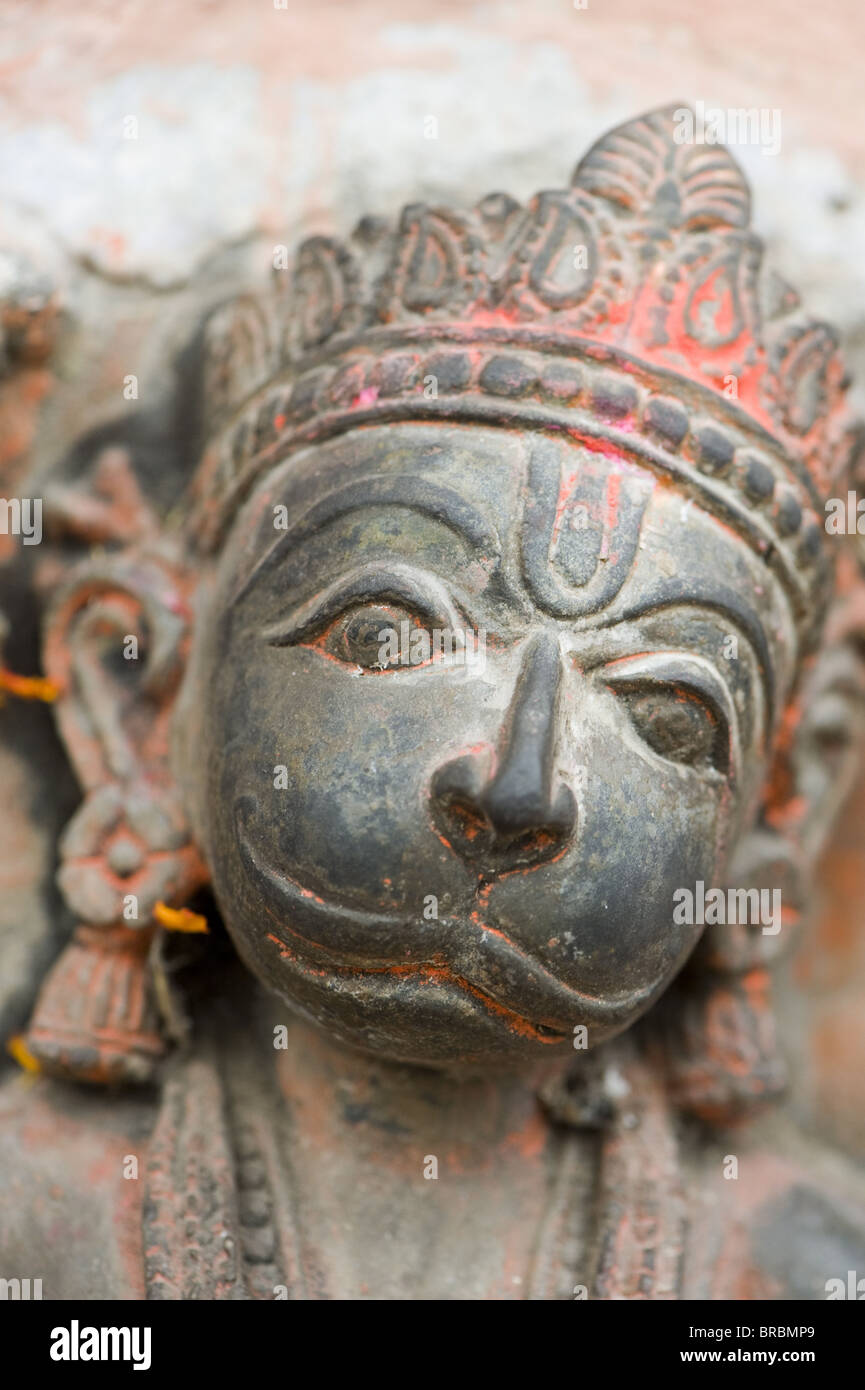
(629, 310)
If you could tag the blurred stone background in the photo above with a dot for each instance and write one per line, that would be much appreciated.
(152, 154)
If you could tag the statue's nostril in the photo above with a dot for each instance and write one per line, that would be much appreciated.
(469, 820)
(525, 832)
(537, 842)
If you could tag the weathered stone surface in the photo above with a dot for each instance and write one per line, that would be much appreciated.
(245, 135)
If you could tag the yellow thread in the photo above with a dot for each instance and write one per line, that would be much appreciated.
(179, 919)
(29, 687)
(18, 1049)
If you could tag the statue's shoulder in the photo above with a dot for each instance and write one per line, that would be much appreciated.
(776, 1215)
(72, 1165)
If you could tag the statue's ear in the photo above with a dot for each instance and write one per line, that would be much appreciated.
(723, 1053)
(115, 644)
(818, 754)
(114, 641)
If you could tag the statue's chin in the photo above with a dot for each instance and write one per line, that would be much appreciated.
(423, 1018)
(427, 1012)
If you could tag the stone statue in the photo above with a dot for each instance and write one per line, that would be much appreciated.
(493, 659)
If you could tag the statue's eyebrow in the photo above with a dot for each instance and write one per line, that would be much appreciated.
(418, 494)
(693, 593)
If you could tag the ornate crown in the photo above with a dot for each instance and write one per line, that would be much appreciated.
(629, 310)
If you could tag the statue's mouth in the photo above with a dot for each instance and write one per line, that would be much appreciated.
(462, 951)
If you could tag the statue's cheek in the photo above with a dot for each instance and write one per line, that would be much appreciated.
(334, 790)
(603, 914)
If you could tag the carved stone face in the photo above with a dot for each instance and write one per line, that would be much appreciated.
(462, 862)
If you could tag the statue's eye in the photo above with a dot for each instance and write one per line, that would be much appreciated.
(376, 618)
(679, 724)
(375, 637)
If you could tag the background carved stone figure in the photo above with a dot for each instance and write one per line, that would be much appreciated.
(376, 963)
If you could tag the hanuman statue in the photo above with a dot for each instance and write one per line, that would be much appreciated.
(451, 1033)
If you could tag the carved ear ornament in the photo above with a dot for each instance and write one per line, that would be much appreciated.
(114, 647)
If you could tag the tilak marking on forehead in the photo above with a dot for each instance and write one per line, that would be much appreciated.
(580, 529)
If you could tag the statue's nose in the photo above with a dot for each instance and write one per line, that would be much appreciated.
(516, 816)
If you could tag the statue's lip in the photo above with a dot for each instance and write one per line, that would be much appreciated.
(474, 954)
